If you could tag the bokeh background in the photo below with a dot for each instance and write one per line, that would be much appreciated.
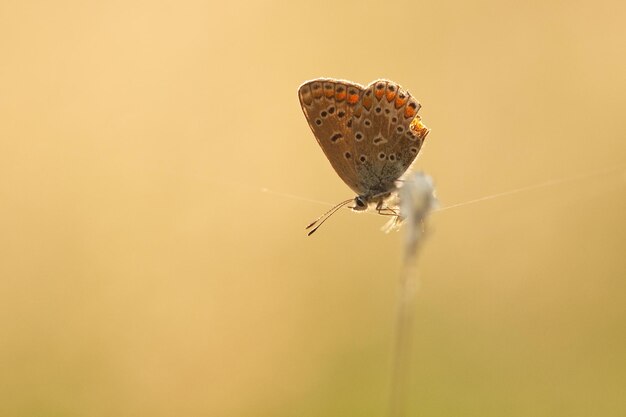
(156, 175)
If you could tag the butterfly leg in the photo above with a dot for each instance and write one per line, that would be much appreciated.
(386, 211)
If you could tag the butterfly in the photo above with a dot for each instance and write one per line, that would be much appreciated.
(371, 136)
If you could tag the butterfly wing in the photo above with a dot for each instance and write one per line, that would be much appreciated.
(388, 135)
(328, 106)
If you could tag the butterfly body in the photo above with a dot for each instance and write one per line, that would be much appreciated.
(370, 135)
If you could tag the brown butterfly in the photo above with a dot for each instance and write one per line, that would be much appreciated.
(370, 135)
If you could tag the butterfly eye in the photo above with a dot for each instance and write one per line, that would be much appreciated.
(359, 202)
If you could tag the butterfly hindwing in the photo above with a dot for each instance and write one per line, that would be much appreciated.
(387, 144)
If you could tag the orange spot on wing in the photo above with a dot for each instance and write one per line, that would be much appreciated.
(367, 102)
(340, 96)
(409, 112)
(353, 98)
(400, 102)
(329, 92)
(419, 128)
(390, 95)
(379, 93)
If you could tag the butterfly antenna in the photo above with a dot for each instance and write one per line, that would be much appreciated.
(326, 216)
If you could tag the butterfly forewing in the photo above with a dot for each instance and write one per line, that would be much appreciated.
(329, 106)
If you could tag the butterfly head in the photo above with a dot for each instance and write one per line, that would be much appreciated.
(360, 203)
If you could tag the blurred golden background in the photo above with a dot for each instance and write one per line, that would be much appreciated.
(156, 175)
